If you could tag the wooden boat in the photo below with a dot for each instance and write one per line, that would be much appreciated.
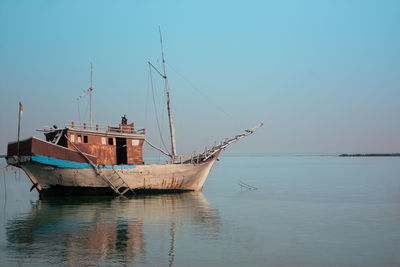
(89, 158)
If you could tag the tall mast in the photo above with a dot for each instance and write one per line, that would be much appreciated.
(171, 122)
(91, 89)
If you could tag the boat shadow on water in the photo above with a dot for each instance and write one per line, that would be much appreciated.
(104, 230)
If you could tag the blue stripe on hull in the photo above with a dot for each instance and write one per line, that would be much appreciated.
(74, 165)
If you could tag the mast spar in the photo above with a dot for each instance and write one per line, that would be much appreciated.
(171, 122)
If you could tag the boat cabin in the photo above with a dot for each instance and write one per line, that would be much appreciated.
(110, 145)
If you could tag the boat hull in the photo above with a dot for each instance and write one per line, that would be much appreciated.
(153, 177)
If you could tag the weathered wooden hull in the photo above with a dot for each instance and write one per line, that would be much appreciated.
(56, 169)
(177, 177)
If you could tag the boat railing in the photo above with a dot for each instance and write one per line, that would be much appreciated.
(104, 127)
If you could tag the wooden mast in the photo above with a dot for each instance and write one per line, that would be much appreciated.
(171, 122)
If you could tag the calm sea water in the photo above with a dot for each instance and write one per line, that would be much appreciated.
(306, 211)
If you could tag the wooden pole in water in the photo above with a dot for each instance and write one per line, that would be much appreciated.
(19, 127)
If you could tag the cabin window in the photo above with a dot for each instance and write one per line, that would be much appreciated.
(79, 139)
(103, 140)
(135, 142)
(85, 139)
(110, 141)
(72, 138)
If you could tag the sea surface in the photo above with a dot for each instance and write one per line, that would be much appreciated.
(303, 211)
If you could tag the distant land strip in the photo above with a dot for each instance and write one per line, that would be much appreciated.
(371, 155)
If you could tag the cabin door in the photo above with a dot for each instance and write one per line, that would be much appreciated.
(122, 157)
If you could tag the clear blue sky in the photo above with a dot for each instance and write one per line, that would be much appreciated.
(324, 75)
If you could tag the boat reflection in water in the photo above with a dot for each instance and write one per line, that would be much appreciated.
(109, 231)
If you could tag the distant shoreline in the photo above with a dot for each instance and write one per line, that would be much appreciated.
(371, 155)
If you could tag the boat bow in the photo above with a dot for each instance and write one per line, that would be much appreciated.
(208, 153)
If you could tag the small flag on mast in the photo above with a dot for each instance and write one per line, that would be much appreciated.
(20, 108)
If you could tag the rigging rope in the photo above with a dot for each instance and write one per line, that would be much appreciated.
(155, 110)
(202, 93)
(79, 112)
(163, 114)
(86, 111)
(146, 103)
